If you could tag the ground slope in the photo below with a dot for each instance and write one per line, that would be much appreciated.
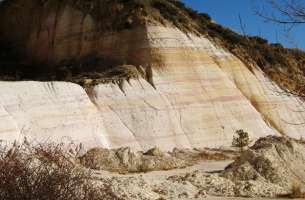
(269, 169)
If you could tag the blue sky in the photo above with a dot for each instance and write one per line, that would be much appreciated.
(226, 13)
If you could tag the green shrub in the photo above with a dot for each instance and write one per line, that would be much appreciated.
(241, 139)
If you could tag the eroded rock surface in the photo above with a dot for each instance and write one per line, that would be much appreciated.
(194, 93)
(268, 169)
(279, 161)
(124, 160)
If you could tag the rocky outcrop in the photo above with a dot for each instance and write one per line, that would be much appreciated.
(49, 112)
(268, 169)
(54, 31)
(273, 160)
(123, 160)
(203, 94)
(194, 93)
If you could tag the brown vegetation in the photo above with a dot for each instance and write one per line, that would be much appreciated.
(284, 66)
(45, 172)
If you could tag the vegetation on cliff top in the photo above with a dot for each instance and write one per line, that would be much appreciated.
(284, 66)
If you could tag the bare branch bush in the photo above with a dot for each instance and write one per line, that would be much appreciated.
(290, 12)
(45, 172)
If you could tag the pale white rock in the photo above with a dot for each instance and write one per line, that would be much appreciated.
(182, 114)
(48, 112)
(202, 95)
(283, 112)
(194, 104)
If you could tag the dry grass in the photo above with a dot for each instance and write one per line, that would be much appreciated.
(116, 75)
(45, 172)
(284, 66)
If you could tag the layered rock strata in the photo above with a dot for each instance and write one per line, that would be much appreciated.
(197, 95)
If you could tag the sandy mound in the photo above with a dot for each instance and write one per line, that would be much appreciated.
(269, 168)
(275, 160)
(123, 160)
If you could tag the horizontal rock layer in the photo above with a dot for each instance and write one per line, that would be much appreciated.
(203, 96)
(202, 93)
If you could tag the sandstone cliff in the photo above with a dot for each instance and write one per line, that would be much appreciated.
(195, 91)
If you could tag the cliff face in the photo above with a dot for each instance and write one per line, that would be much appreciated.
(195, 93)
(203, 95)
(55, 31)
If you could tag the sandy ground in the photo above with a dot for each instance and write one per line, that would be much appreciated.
(206, 166)
(157, 177)
(272, 167)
